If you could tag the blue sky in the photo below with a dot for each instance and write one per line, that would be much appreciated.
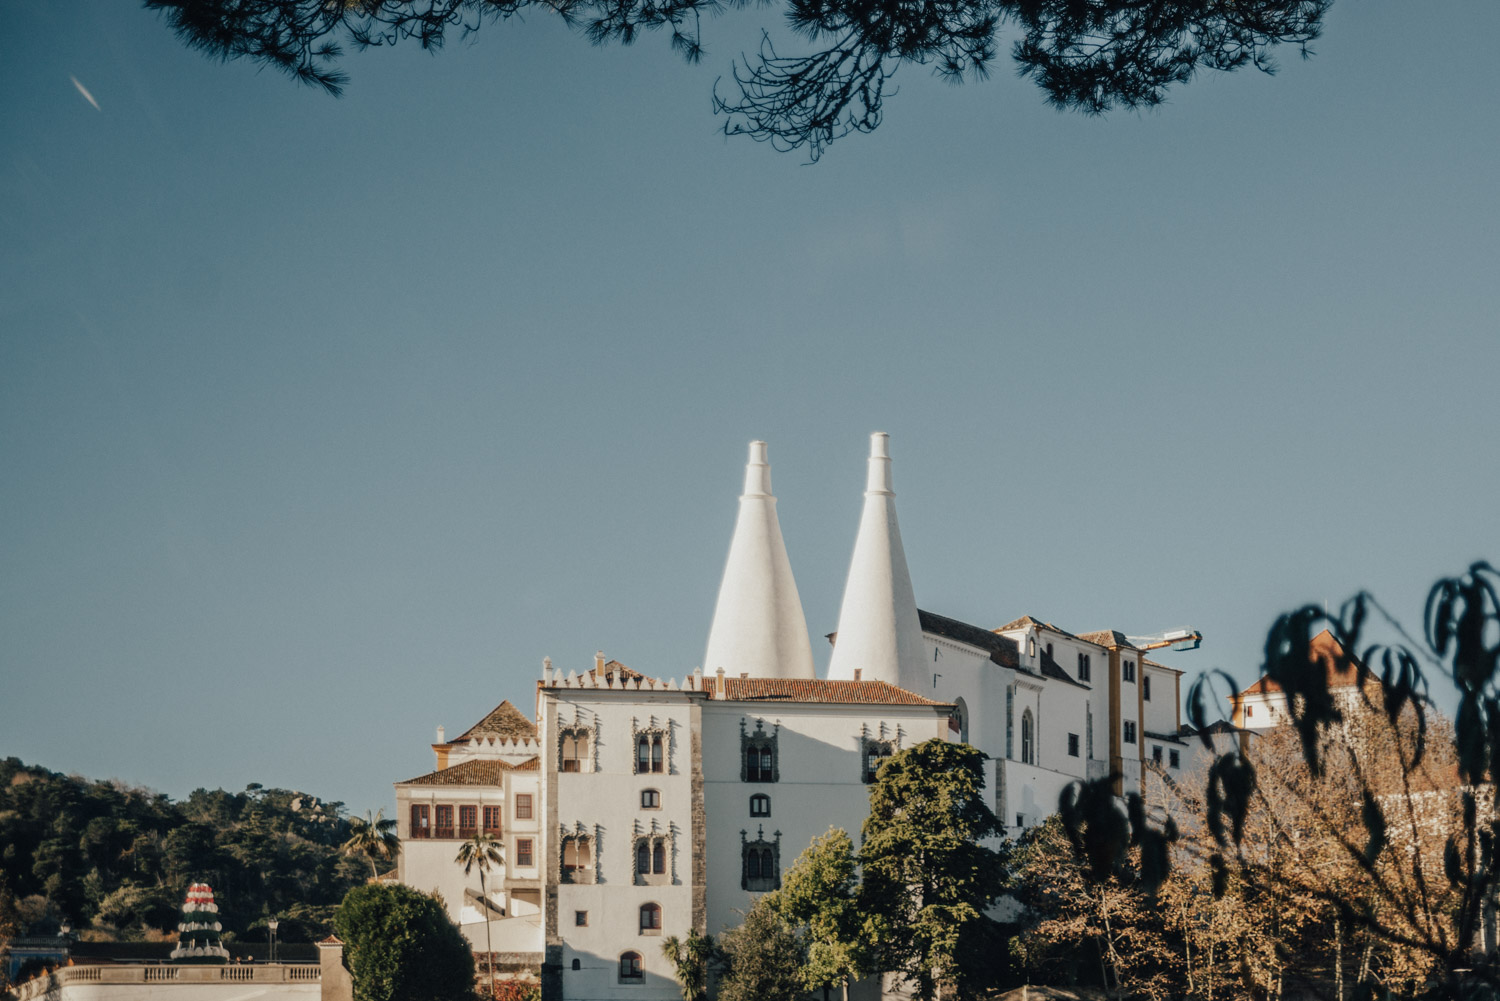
(323, 421)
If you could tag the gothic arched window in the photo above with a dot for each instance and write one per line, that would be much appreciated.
(877, 752)
(761, 862)
(1028, 738)
(643, 754)
(758, 755)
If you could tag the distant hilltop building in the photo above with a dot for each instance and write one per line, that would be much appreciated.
(635, 806)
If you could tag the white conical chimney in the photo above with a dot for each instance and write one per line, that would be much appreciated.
(758, 628)
(880, 635)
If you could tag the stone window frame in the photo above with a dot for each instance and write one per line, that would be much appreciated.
(1028, 737)
(657, 838)
(582, 875)
(883, 738)
(760, 741)
(660, 734)
(525, 857)
(772, 849)
(582, 726)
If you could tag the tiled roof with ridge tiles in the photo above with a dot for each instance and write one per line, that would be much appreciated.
(504, 721)
(474, 772)
(818, 690)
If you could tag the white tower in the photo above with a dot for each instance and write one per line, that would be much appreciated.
(880, 635)
(758, 627)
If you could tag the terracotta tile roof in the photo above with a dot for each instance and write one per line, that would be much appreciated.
(615, 671)
(474, 772)
(1158, 667)
(817, 690)
(1027, 620)
(505, 720)
(1107, 637)
(1325, 650)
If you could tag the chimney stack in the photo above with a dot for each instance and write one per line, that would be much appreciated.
(880, 634)
(758, 627)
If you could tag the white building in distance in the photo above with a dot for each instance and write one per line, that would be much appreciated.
(637, 806)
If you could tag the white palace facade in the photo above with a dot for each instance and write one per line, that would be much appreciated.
(632, 807)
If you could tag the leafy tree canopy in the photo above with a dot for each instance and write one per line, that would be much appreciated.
(764, 958)
(400, 945)
(1090, 55)
(120, 857)
(819, 895)
(928, 877)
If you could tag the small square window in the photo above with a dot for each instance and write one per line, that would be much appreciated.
(1174, 759)
(1020, 820)
(581, 919)
(650, 799)
(1072, 745)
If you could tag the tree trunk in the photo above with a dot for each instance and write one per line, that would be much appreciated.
(489, 944)
(1338, 961)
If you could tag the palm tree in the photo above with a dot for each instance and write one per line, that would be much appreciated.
(373, 837)
(482, 851)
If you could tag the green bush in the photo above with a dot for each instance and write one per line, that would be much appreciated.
(400, 945)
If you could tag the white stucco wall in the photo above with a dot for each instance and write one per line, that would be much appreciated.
(606, 803)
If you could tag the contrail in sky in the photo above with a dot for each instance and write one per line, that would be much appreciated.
(85, 92)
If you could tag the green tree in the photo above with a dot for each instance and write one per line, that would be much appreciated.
(819, 895)
(928, 879)
(400, 945)
(480, 852)
(1091, 55)
(691, 960)
(372, 837)
(763, 958)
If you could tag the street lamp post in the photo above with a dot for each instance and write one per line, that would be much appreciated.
(271, 924)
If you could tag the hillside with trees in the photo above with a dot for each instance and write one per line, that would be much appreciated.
(114, 860)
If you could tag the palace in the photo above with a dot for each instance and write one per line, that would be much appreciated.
(634, 807)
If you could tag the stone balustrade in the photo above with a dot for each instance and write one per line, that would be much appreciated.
(163, 974)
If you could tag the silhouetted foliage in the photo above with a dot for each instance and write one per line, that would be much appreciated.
(1090, 55)
(1389, 819)
(121, 857)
